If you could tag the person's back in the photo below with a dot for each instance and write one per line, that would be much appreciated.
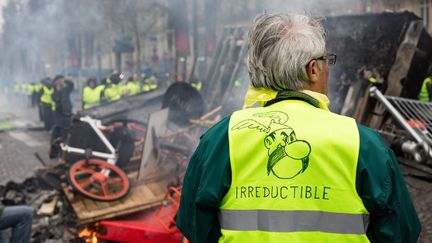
(47, 104)
(91, 95)
(291, 170)
(132, 87)
(62, 95)
(112, 91)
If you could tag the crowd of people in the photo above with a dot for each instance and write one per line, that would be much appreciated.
(114, 88)
(52, 96)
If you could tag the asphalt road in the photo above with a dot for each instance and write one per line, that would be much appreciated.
(20, 138)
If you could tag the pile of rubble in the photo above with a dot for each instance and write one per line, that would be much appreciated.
(54, 219)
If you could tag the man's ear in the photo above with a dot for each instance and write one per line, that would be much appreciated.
(312, 70)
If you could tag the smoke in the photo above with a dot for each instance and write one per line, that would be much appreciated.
(242, 13)
(42, 38)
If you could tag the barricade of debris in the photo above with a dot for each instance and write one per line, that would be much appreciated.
(54, 219)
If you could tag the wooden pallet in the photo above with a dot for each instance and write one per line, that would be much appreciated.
(140, 197)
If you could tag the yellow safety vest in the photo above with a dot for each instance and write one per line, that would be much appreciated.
(153, 86)
(424, 93)
(291, 183)
(112, 93)
(147, 86)
(122, 88)
(91, 97)
(38, 88)
(197, 85)
(133, 88)
(30, 89)
(46, 97)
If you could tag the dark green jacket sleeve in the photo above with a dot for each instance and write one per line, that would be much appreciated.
(206, 181)
(379, 184)
(384, 193)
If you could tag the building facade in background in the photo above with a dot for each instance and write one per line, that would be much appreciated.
(163, 37)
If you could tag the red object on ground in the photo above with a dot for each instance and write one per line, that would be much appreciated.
(148, 226)
(416, 124)
(88, 178)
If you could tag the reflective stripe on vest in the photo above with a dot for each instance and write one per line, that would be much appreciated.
(293, 221)
(424, 93)
(293, 172)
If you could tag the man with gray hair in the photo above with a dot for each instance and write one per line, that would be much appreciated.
(290, 170)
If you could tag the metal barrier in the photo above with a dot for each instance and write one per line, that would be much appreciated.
(415, 117)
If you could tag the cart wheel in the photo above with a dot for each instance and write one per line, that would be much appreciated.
(89, 179)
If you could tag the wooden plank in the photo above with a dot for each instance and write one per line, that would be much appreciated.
(157, 188)
(77, 204)
(91, 205)
(47, 209)
(140, 197)
(146, 192)
(156, 126)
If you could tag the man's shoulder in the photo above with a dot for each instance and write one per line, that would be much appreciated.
(369, 135)
(217, 129)
(372, 145)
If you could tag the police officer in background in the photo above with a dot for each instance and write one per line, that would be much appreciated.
(132, 87)
(425, 94)
(91, 96)
(46, 103)
(291, 170)
(64, 108)
(112, 90)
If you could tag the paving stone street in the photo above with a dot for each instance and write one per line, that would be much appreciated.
(21, 141)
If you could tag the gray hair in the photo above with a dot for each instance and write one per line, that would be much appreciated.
(281, 45)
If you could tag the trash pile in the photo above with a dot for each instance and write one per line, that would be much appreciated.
(54, 219)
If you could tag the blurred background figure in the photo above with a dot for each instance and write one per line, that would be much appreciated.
(91, 95)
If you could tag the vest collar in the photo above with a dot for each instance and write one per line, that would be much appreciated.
(266, 97)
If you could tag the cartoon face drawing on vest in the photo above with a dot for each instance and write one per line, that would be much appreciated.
(287, 156)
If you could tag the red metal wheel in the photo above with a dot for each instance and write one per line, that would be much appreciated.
(89, 178)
